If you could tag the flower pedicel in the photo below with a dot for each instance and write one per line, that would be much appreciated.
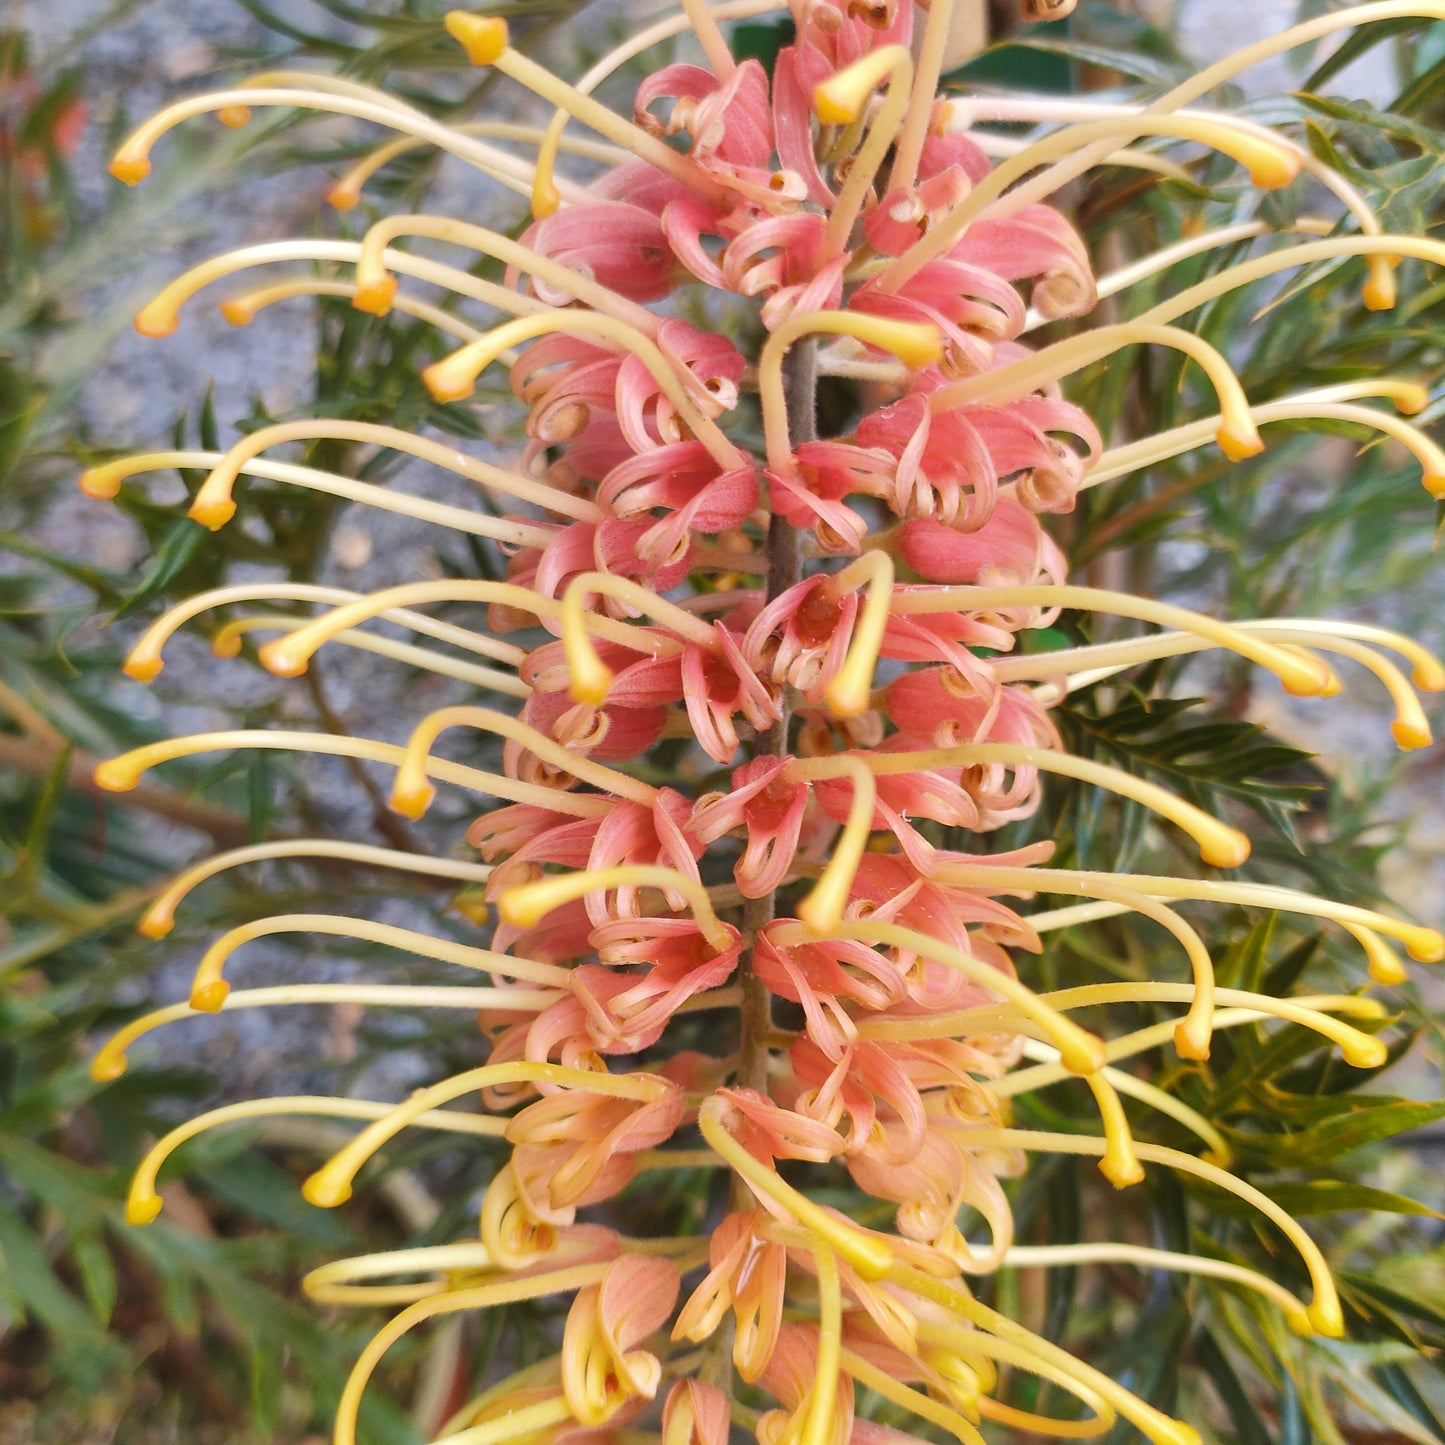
(696, 586)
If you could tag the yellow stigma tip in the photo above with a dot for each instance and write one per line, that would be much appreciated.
(238, 313)
(447, 383)
(1379, 295)
(820, 917)
(130, 170)
(1273, 171)
(155, 923)
(375, 297)
(102, 483)
(212, 515)
(1239, 442)
(411, 800)
(483, 37)
(1299, 1322)
(1326, 1319)
(282, 661)
(116, 775)
(517, 908)
(108, 1065)
(546, 199)
(324, 1192)
(142, 1208)
(143, 667)
(1409, 736)
(1410, 398)
(343, 198)
(835, 106)
(156, 321)
(1121, 1172)
(1364, 1053)
(207, 998)
(845, 700)
(1434, 483)
(1310, 677)
(1387, 971)
(1227, 849)
(234, 116)
(1192, 1040)
(1429, 678)
(1425, 945)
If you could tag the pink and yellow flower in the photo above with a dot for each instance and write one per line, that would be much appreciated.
(832, 219)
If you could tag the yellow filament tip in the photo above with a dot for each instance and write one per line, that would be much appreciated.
(101, 482)
(1384, 965)
(109, 1064)
(1379, 293)
(1220, 845)
(546, 198)
(238, 313)
(1192, 1038)
(281, 658)
(1410, 398)
(1428, 676)
(155, 922)
(589, 678)
(374, 294)
(1326, 1318)
(453, 378)
(1271, 167)
(156, 320)
(483, 37)
(1424, 945)
(208, 997)
(528, 904)
(130, 170)
(324, 1190)
(843, 98)
(234, 116)
(1239, 439)
(1121, 1168)
(1306, 675)
(212, 515)
(411, 794)
(1363, 1051)
(1410, 735)
(142, 1208)
(144, 665)
(117, 775)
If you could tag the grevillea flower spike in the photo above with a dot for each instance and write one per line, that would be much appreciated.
(838, 626)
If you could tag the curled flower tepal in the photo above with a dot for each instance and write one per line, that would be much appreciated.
(760, 689)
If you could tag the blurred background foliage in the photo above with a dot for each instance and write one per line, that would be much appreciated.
(194, 1326)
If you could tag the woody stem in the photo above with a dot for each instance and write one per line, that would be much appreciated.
(785, 564)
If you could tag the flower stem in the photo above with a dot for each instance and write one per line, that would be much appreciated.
(785, 568)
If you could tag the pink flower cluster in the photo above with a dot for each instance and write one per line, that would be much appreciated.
(785, 673)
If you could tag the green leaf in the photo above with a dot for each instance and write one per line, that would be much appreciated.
(1361, 42)
(1249, 1428)
(1332, 1196)
(96, 1267)
(171, 558)
(33, 1288)
(1357, 1122)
